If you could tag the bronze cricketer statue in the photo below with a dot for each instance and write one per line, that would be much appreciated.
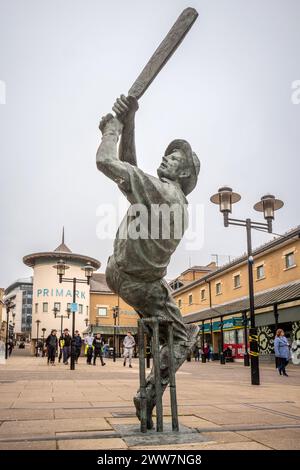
(138, 265)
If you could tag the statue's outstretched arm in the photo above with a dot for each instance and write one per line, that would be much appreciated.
(125, 109)
(107, 159)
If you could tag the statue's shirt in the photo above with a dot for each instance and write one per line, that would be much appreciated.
(153, 226)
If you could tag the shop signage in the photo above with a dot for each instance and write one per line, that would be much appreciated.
(228, 324)
(59, 293)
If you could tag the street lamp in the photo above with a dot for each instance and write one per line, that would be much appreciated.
(37, 336)
(115, 316)
(55, 312)
(268, 204)
(9, 305)
(88, 271)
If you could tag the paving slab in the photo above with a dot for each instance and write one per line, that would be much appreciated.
(20, 414)
(28, 445)
(279, 439)
(92, 444)
(82, 413)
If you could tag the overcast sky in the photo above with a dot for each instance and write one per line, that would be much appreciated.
(227, 90)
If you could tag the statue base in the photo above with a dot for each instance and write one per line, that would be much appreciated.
(131, 434)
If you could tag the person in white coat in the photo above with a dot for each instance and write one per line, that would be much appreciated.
(128, 344)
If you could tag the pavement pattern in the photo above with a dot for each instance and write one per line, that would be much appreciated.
(53, 408)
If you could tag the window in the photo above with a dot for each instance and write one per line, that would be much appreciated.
(57, 306)
(102, 311)
(190, 299)
(36, 308)
(218, 288)
(87, 310)
(260, 272)
(290, 260)
(45, 307)
(179, 303)
(202, 294)
(80, 308)
(237, 281)
(240, 336)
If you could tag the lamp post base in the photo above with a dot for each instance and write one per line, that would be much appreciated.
(246, 360)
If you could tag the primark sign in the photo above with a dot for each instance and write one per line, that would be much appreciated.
(59, 293)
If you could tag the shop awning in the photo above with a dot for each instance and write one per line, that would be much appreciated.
(275, 296)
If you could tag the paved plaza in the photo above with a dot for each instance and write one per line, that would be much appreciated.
(44, 407)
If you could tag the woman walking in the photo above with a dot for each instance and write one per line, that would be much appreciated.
(51, 343)
(282, 351)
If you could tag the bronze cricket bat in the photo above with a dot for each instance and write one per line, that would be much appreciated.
(164, 51)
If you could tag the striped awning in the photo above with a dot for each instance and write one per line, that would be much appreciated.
(275, 296)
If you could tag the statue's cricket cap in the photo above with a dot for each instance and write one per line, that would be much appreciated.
(188, 184)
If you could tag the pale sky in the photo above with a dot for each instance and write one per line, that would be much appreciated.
(227, 90)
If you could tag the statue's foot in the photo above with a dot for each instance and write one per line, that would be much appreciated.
(150, 406)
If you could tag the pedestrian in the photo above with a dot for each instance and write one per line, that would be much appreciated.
(61, 343)
(206, 351)
(67, 346)
(282, 351)
(10, 347)
(197, 350)
(128, 344)
(106, 350)
(51, 343)
(89, 348)
(78, 343)
(98, 344)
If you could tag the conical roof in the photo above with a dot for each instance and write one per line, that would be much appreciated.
(62, 248)
(61, 252)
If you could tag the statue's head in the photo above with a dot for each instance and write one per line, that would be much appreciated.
(180, 164)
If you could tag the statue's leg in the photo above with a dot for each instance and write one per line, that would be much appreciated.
(153, 299)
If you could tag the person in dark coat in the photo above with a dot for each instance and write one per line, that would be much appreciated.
(78, 343)
(98, 344)
(51, 343)
(282, 351)
(67, 346)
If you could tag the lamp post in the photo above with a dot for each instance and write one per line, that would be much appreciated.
(55, 311)
(268, 204)
(115, 315)
(88, 271)
(37, 336)
(44, 331)
(9, 305)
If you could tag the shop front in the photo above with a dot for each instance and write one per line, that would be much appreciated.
(233, 336)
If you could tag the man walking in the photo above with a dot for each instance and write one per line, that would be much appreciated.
(128, 344)
(98, 344)
(61, 343)
(89, 348)
(67, 346)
